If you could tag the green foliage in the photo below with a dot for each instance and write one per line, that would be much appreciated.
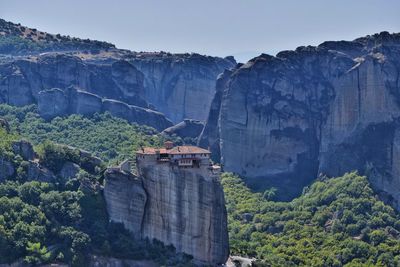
(37, 254)
(336, 222)
(54, 156)
(16, 39)
(112, 139)
(15, 44)
(6, 141)
(66, 221)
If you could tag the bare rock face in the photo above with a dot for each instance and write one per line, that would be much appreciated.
(7, 169)
(64, 84)
(330, 109)
(187, 128)
(177, 85)
(209, 137)
(186, 208)
(56, 102)
(69, 170)
(119, 80)
(180, 85)
(24, 149)
(52, 103)
(37, 172)
(126, 199)
(5, 125)
(180, 207)
(99, 261)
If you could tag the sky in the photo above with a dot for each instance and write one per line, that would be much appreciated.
(242, 28)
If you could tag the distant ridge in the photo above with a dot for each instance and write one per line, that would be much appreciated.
(16, 39)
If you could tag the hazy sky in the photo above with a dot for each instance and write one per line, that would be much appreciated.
(242, 28)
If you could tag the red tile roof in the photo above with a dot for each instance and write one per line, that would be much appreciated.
(151, 150)
(178, 150)
(187, 150)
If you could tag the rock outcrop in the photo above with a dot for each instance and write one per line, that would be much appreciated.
(7, 169)
(64, 84)
(28, 76)
(35, 168)
(187, 128)
(99, 261)
(186, 208)
(126, 199)
(5, 125)
(180, 85)
(281, 121)
(183, 207)
(56, 102)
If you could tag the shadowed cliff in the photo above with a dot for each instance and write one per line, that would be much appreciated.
(282, 121)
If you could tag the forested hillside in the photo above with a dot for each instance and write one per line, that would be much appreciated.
(59, 219)
(112, 139)
(335, 222)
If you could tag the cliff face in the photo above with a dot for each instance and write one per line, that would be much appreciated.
(185, 129)
(328, 109)
(186, 208)
(118, 80)
(183, 207)
(126, 199)
(180, 85)
(63, 84)
(209, 137)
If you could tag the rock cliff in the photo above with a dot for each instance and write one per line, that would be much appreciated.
(126, 199)
(27, 76)
(35, 168)
(180, 207)
(180, 85)
(185, 129)
(64, 84)
(281, 121)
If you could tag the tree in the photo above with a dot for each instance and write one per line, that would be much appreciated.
(270, 193)
(36, 254)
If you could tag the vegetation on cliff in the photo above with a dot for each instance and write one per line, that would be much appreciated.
(110, 138)
(17, 39)
(66, 220)
(335, 222)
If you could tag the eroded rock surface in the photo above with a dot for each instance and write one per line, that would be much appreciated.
(186, 209)
(126, 199)
(281, 121)
(180, 85)
(180, 207)
(187, 128)
(56, 102)
(63, 84)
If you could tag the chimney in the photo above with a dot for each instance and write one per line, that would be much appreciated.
(168, 145)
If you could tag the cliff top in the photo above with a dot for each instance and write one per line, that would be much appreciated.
(178, 150)
(351, 49)
(18, 39)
